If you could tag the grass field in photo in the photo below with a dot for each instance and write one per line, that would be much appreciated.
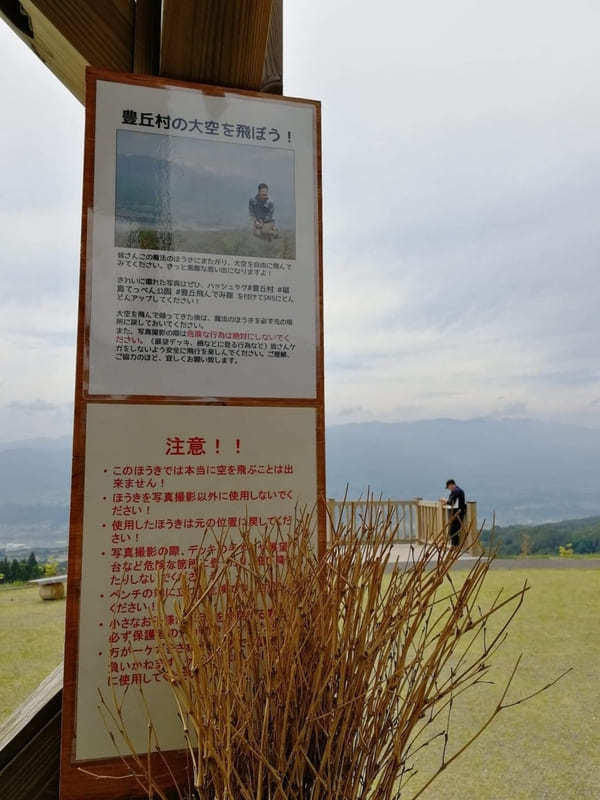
(240, 242)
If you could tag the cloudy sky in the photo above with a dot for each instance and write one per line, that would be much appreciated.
(462, 194)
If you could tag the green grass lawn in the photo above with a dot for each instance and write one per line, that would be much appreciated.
(32, 639)
(241, 242)
(547, 748)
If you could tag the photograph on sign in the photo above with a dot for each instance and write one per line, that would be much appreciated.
(202, 254)
(204, 196)
(162, 483)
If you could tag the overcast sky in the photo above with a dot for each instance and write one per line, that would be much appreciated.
(462, 194)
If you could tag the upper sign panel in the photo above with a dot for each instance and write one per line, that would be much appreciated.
(202, 255)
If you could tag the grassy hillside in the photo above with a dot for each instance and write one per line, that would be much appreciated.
(546, 748)
(32, 640)
(582, 534)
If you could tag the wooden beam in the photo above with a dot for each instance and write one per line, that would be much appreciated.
(236, 43)
(12, 13)
(70, 34)
(215, 41)
(272, 78)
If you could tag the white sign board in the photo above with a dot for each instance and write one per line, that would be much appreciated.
(203, 245)
(161, 481)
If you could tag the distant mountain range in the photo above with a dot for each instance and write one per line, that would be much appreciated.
(523, 470)
(159, 193)
(35, 478)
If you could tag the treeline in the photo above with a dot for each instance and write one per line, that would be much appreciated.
(582, 534)
(27, 569)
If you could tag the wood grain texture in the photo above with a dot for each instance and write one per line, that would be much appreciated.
(146, 46)
(68, 35)
(215, 41)
(29, 744)
(272, 78)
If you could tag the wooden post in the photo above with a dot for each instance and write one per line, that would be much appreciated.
(472, 544)
(272, 78)
(441, 518)
(211, 41)
(420, 521)
(331, 522)
(146, 42)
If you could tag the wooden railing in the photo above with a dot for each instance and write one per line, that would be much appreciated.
(415, 520)
(30, 744)
(403, 514)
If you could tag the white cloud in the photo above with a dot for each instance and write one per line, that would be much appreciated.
(461, 187)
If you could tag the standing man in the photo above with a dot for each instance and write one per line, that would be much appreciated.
(457, 508)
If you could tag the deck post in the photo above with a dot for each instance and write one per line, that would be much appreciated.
(472, 544)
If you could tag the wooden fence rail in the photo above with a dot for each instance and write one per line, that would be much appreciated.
(30, 744)
(416, 520)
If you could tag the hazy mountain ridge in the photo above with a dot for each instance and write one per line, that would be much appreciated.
(583, 536)
(523, 470)
(157, 192)
(35, 479)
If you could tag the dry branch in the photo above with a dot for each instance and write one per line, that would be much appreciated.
(321, 678)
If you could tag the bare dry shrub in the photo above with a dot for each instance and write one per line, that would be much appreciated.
(322, 678)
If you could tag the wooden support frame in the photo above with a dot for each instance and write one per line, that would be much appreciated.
(237, 44)
(68, 35)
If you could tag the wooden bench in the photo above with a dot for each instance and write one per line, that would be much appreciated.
(51, 588)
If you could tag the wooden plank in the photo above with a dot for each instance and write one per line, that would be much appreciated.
(68, 35)
(30, 744)
(12, 13)
(215, 41)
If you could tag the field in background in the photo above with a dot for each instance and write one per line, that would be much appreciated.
(31, 642)
(545, 749)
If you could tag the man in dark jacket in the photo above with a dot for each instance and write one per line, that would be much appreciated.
(262, 209)
(457, 510)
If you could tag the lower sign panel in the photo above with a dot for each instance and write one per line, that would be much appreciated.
(161, 481)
